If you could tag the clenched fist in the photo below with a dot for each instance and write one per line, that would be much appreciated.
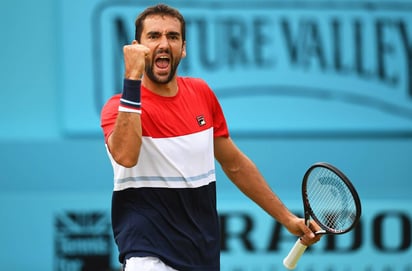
(134, 60)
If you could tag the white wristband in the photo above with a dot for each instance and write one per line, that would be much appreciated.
(129, 110)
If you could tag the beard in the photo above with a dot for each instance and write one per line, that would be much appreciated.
(149, 69)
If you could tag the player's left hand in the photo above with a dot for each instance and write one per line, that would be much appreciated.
(307, 234)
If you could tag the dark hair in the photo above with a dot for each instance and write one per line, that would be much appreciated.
(160, 9)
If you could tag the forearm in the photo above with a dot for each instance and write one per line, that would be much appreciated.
(251, 182)
(125, 141)
(126, 138)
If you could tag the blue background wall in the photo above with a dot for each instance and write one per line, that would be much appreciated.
(53, 160)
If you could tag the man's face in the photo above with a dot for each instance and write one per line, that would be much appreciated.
(162, 35)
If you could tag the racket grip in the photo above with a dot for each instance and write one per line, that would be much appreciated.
(294, 255)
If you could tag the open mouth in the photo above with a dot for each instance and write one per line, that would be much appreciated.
(162, 62)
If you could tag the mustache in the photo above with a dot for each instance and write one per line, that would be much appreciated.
(162, 51)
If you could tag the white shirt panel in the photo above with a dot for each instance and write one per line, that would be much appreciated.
(176, 162)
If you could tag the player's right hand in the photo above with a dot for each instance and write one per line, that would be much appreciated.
(135, 55)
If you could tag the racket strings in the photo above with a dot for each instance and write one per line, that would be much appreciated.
(330, 200)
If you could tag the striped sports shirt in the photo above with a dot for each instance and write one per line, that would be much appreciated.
(165, 206)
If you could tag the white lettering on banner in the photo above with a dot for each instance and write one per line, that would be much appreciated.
(327, 59)
(83, 241)
(84, 245)
(382, 241)
(69, 265)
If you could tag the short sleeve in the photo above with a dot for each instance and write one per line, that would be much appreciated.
(108, 115)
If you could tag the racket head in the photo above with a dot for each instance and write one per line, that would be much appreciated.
(330, 199)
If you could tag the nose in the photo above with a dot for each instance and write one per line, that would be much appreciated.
(163, 42)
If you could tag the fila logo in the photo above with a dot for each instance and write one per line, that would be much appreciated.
(201, 120)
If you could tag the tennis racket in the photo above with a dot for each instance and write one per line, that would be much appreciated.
(330, 199)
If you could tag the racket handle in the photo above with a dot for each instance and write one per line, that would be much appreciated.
(293, 257)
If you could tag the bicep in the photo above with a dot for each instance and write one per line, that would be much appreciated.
(227, 153)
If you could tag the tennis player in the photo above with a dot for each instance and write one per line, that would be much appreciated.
(163, 134)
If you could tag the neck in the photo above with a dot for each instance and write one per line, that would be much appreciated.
(167, 90)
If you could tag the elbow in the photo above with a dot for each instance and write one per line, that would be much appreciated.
(127, 161)
(231, 171)
(124, 153)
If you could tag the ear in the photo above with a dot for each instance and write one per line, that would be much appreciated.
(184, 50)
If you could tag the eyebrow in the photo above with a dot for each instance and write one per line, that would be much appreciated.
(171, 33)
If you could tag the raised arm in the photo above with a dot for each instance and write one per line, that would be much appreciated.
(125, 141)
(245, 175)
